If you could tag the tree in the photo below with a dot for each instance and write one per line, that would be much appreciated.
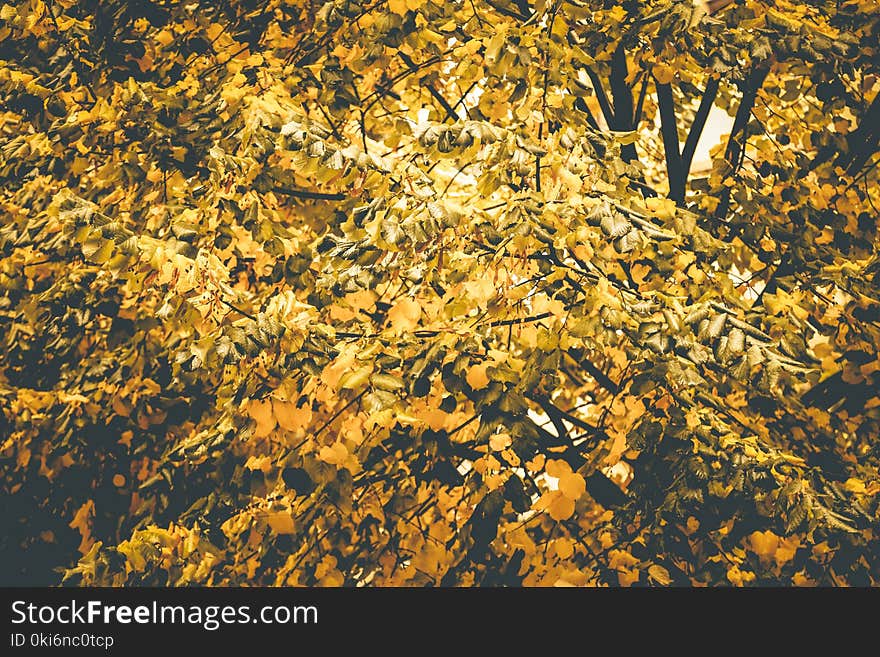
(405, 292)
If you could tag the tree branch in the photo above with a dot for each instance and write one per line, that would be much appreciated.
(524, 320)
(740, 123)
(599, 485)
(580, 104)
(339, 412)
(303, 193)
(669, 131)
(554, 411)
(620, 90)
(450, 111)
(602, 97)
(501, 9)
(621, 93)
(598, 375)
(241, 312)
(693, 138)
(637, 114)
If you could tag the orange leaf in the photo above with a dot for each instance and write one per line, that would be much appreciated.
(786, 550)
(334, 454)
(477, 377)
(290, 416)
(499, 441)
(340, 314)
(564, 548)
(480, 290)
(561, 508)
(261, 411)
(281, 522)
(361, 300)
(572, 485)
(558, 468)
(764, 544)
(536, 464)
(627, 577)
(404, 315)
(854, 485)
(398, 7)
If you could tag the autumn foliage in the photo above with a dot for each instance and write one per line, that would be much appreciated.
(410, 292)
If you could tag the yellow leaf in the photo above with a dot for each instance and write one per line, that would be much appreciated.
(327, 568)
(125, 438)
(235, 89)
(334, 578)
(480, 290)
(616, 14)
(82, 522)
(132, 555)
(261, 411)
(477, 377)
(493, 481)
(619, 559)
(83, 517)
(290, 416)
(281, 522)
(684, 259)
(493, 47)
(165, 37)
(24, 457)
(404, 315)
(335, 454)
(536, 464)
(764, 544)
(499, 441)
(398, 7)
(528, 336)
(511, 457)
(541, 303)
(262, 463)
(214, 30)
(800, 579)
(355, 378)
(564, 548)
(604, 187)
(786, 550)
(663, 73)
(854, 485)
(361, 300)
(618, 447)
(627, 577)
(435, 418)
(340, 314)
(639, 271)
(333, 372)
(561, 508)
(659, 574)
(663, 208)
(572, 485)
(739, 577)
(558, 468)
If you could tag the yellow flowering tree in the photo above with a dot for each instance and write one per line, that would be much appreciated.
(409, 292)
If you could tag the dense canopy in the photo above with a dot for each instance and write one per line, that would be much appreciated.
(410, 292)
